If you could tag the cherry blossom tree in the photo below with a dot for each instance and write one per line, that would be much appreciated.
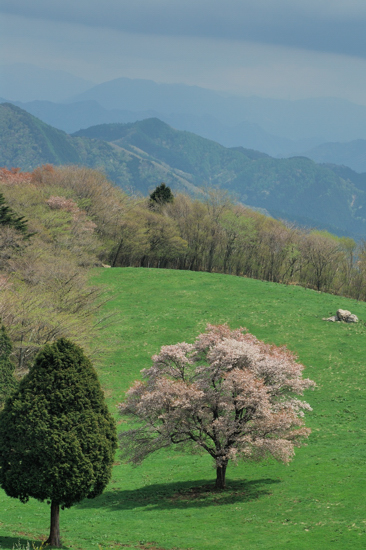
(228, 394)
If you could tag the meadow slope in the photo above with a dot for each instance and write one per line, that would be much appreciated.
(317, 502)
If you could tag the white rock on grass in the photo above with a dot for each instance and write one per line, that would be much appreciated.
(343, 315)
(333, 319)
(352, 318)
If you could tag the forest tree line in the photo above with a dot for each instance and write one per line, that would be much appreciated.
(216, 235)
(71, 219)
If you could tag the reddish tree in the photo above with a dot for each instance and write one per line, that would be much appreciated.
(14, 175)
(228, 394)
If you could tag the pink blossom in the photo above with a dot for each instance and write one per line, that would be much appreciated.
(227, 394)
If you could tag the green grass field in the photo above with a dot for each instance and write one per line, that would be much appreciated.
(316, 503)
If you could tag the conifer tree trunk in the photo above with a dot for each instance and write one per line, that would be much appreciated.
(54, 538)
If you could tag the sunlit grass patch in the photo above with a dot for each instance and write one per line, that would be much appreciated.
(317, 502)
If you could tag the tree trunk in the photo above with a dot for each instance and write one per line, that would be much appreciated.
(114, 261)
(211, 256)
(54, 538)
(220, 476)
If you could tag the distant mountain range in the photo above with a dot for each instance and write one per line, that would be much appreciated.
(352, 154)
(27, 142)
(25, 82)
(76, 116)
(327, 119)
(138, 156)
(279, 128)
(71, 117)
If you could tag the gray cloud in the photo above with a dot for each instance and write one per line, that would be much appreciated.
(333, 26)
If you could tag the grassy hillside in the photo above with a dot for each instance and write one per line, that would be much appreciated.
(316, 502)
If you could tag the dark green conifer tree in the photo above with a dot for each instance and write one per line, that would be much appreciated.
(57, 438)
(8, 382)
(8, 217)
(161, 195)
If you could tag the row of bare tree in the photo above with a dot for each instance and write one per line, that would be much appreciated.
(214, 234)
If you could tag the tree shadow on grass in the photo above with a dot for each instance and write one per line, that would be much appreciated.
(187, 494)
(10, 543)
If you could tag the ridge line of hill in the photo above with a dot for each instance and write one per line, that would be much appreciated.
(296, 189)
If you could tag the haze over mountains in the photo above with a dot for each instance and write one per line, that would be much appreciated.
(140, 155)
(351, 154)
(309, 119)
(141, 132)
(279, 128)
(25, 82)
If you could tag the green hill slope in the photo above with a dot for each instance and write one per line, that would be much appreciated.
(316, 502)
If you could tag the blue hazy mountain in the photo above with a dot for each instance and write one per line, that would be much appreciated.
(352, 154)
(72, 117)
(279, 128)
(25, 82)
(321, 120)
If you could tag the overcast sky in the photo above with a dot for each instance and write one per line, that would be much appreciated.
(287, 49)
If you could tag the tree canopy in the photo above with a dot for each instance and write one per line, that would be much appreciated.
(161, 195)
(228, 394)
(57, 438)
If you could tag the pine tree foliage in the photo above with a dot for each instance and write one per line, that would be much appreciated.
(8, 217)
(161, 195)
(57, 438)
(7, 380)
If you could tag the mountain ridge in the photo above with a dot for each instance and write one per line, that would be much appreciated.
(351, 153)
(138, 156)
(325, 119)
